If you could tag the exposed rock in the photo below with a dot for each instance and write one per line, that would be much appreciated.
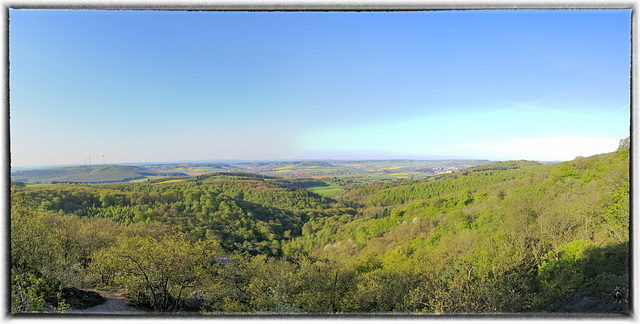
(588, 301)
(81, 299)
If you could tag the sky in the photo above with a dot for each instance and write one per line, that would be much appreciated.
(160, 86)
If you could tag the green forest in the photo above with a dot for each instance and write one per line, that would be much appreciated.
(509, 237)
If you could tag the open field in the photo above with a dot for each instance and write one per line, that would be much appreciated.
(382, 170)
(330, 190)
(89, 174)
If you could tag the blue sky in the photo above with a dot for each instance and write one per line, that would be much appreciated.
(154, 86)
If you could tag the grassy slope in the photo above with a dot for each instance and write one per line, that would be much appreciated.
(330, 191)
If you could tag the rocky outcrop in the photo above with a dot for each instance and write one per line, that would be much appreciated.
(81, 299)
(589, 301)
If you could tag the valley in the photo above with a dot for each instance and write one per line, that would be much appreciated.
(503, 237)
(374, 170)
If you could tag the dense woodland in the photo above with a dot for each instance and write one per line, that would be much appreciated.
(516, 236)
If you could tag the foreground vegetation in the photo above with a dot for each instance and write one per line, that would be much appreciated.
(516, 236)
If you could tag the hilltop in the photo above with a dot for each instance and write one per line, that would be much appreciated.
(88, 174)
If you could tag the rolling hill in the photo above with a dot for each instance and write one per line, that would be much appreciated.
(88, 174)
(508, 237)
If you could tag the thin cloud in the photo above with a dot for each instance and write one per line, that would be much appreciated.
(544, 149)
(623, 108)
(529, 105)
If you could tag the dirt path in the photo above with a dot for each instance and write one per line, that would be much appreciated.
(115, 304)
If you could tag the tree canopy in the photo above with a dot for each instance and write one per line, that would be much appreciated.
(515, 236)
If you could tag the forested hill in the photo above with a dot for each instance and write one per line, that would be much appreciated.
(87, 174)
(499, 237)
(514, 236)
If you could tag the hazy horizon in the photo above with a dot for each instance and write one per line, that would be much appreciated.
(165, 86)
(232, 161)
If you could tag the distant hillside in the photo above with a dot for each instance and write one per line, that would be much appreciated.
(186, 166)
(315, 163)
(427, 162)
(87, 174)
(370, 170)
(289, 164)
(508, 165)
